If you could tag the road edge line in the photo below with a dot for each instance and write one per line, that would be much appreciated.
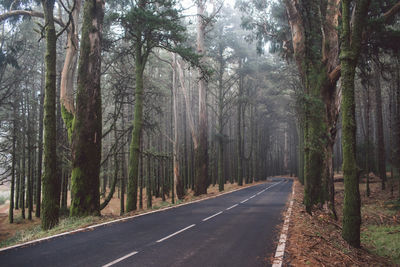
(280, 249)
(121, 219)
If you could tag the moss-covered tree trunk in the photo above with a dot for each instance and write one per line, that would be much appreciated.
(315, 79)
(134, 149)
(314, 37)
(51, 182)
(351, 43)
(87, 123)
(351, 207)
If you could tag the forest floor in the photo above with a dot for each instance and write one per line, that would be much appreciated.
(24, 230)
(316, 240)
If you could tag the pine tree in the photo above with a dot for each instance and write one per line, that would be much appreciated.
(149, 24)
(51, 183)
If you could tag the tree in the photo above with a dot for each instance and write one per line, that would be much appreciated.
(380, 148)
(223, 42)
(14, 160)
(351, 36)
(179, 186)
(201, 150)
(87, 121)
(312, 37)
(40, 153)
(51, 183)
(149, 24)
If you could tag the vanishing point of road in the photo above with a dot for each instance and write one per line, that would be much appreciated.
(234, 229)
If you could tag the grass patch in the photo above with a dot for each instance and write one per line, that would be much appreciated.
(65, 225)
(384, 240)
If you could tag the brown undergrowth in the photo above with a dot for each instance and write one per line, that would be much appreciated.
(316, 240)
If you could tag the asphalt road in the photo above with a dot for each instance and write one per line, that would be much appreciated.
(236, 229)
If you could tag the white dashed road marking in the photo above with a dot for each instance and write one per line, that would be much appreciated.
(177, 232)
(120, 259)
(205, 219)
(231, 207)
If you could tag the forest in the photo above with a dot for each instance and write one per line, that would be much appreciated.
(146, 101)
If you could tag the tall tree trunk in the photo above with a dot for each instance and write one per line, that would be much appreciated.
(397, 119)
(124, 172)
(201, 151)
(172, 181)
(307, 43)
(185, 155)
(141, 177)
(380, 155)
(64, 190)
(286, 152)
(23, 172)
(40, 152)
(220, 125)
(367, 137)
(134, 150)
(68, 71)
(116, 164)
(390, 136)
(14, 155)
(315, 45)
(351, 36)
(179, 187)
(239, 130)
(87, 124)
(51, 182)
(300, 171)
(149, 175)
(18, 170)
(29, 176)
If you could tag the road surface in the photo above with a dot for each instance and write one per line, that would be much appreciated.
(235, 229)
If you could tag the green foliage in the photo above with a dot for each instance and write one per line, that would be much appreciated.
(384, 240)
(9, 56)
(267, 21)
(157, 24)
